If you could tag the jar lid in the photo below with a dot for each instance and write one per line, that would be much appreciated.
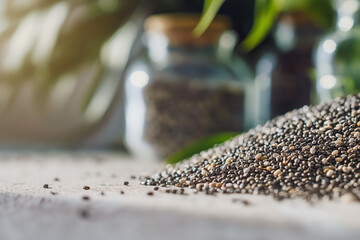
(178, 28)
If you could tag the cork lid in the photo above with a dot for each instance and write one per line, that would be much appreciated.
(178, 28)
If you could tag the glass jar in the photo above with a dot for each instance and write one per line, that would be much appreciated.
(337, 56)
(183, 87)
(283, 75)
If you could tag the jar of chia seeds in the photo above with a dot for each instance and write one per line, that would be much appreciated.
(283, 75)
(183, 88)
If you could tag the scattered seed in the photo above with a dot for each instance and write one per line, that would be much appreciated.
(46, 186)
(330, 172)
(126, 183)
(335, 153)
(338, 159)
(84, 214)
(150, 193)
(86, 187)
(85, 198)
(313, 150)
(277, 172)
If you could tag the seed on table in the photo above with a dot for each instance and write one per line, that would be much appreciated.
(229, 160)
(277, 172)
(126, 183)
(246, 170)
(213, 184)
(269, 168)
(346, 169)
(313, 150)
(338, 126)
(46, 186)
(182, 181)
(339, 159)
(330, 172)
(86, 198)
(258, 156)
(292, 191)
(335, 153)
(156, 188)
(84, 214)
(150, 193)
(86, 188)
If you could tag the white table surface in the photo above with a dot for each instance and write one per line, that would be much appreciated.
(29, 211)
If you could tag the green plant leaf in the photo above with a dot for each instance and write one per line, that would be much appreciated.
(211, 7)
(200, 145)
(321, 11)
(266, 12)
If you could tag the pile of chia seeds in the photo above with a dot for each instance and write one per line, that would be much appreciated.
(310, 153)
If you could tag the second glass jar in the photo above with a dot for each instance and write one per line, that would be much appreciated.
(183, 88)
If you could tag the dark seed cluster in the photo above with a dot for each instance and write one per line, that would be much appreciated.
(311, 153)
(170, 105)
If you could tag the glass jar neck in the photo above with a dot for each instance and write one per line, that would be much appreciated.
(348, 14)
(160, 50)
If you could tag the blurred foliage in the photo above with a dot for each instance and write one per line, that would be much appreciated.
(240, 12)
(200, 145)
(266, 13)
(211, 7)
(87, 26)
